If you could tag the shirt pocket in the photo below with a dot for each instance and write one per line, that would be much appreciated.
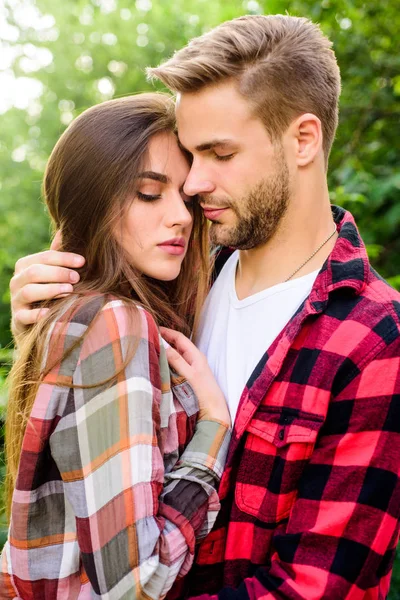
(186, 408)
(183, 392)
(212, 549)
(277, 447)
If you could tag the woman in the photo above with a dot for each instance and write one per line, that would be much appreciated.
(113, 477)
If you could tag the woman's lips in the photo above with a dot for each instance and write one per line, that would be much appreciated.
(175, 247)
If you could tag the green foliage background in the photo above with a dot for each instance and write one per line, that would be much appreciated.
(100, 49)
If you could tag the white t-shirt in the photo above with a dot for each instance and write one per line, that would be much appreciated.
(235, 334)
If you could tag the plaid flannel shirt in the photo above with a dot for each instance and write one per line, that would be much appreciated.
(310, 496)
(115, 481)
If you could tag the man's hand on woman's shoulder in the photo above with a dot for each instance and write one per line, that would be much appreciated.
(38, 277)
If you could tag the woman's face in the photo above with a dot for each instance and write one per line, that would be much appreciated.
(156, 227)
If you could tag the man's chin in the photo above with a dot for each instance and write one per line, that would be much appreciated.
(223, 239)
(219, 234)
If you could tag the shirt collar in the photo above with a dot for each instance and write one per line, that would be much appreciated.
(347, 265)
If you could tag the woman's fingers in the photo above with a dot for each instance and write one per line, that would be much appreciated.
(172, 336)
(178, 363)
(188, 361)
(181, 343)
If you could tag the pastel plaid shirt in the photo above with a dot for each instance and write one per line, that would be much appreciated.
(116, 482)
(310, 496)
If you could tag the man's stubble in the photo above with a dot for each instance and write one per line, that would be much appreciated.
(258, 214)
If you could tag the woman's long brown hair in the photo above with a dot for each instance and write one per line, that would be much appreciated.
(90, 177)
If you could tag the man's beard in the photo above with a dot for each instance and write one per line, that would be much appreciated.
(258, 214)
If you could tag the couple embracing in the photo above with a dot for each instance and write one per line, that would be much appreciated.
(260, 458)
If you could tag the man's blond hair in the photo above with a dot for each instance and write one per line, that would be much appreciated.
(283, 65)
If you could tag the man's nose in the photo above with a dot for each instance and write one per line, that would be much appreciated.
(198, 182)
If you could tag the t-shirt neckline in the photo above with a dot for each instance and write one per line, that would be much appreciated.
(268, 292)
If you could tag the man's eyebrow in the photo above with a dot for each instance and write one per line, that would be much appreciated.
(213, 143)
(208, 145)
(155, 176)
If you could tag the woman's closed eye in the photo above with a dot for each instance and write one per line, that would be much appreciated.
(188, 200)
(148, 197)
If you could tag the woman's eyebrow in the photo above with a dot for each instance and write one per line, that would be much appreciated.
(155, 176)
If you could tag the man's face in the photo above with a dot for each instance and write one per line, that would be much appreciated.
(241, 177)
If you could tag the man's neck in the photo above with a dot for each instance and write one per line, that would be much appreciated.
(299, 235)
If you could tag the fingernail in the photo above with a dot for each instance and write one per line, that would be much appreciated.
(73, 276)
(79, 261)
(66, 287)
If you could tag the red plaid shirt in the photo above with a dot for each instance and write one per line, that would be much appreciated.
(310, 494)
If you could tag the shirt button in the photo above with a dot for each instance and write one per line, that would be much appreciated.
(281, 434)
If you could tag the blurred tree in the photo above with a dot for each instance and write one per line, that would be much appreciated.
(58, 58)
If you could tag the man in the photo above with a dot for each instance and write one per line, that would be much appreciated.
(302, 334)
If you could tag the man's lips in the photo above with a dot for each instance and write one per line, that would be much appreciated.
(175, 246)
(213, 213)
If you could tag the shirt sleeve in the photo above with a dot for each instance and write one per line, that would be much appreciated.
(136, 525)
(343, 529)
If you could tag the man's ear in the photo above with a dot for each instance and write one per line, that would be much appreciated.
(307, 133)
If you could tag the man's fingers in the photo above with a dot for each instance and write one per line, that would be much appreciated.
(57, 241)
(50, 257)
(42, 274)
(36, 292)
(28, 317)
